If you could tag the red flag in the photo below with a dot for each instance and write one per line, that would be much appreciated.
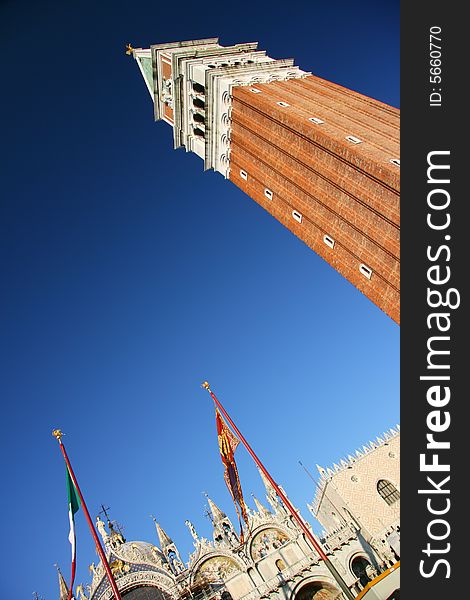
(227, 445)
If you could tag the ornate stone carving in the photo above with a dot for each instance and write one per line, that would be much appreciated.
(119, 567)
(139, 552)
(133, 579)
(101, 529)
(166, 94)
(80, 593)
(192, 530)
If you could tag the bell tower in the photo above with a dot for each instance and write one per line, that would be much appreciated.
(320, 158)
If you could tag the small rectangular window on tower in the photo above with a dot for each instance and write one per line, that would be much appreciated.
(353, 140)
(365, 270)
(297, 216)
(329, 241)
(395, 161)
(283, 104)
(316, 120)
(268, 194)
(243, 174)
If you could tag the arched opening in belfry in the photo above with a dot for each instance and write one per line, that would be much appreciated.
(226, 527)
(359, 567)
(145, 592)
(198, 132)
(198, 103)
(318, 590)
(198, 88)
(198, 118)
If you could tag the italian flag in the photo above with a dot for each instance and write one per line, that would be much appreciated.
(74, 505)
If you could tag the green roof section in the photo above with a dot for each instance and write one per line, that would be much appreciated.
(147, 69)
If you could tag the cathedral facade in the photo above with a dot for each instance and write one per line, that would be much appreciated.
(274, 560)
(321, 159)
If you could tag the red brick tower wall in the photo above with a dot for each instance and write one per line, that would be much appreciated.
(347, 191)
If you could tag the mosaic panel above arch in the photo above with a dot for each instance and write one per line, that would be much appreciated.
(266, 541)
(216, 569)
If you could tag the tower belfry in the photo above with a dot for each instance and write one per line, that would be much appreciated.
(322, 159)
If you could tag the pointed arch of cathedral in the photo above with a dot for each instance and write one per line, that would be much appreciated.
(266, 539)
(316, 588)
(214, 567)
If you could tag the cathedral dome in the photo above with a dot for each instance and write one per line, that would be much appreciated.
(138, 552)
(134, 565)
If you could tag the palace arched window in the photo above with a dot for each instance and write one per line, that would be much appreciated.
(388, 491)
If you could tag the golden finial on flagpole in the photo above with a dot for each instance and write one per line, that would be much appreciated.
(57, 433)
(129, 49)
(205, 385)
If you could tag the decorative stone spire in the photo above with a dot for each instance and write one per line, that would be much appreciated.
(224, 533)
(192, 530)
(163, 538)
(217, 515)
(170, 551)
(63, 589)
(271, 495)
(261, 508)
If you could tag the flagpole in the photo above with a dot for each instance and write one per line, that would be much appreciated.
(58, 435)
(349, 595)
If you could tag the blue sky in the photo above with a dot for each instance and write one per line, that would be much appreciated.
(129, 276)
